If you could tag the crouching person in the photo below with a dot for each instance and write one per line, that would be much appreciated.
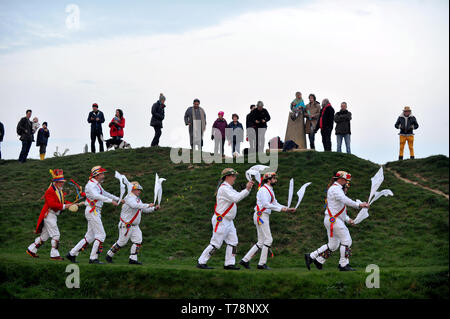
(130, 217)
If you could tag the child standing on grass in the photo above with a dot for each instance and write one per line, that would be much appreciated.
(42, 140)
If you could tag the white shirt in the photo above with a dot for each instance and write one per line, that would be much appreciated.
(94, 191)
(132, 204)
(263, 200)
(336, 199)
(226, 195)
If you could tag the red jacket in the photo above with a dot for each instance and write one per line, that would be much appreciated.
(116, 128)
(52, 202)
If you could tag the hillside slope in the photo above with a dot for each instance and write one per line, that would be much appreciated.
(406, 235)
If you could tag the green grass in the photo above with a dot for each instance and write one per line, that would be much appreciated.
(405, 235)
(431, 171)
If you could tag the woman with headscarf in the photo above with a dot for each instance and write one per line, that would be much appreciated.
(295, 130)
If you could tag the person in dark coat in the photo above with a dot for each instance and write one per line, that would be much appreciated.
(25, 131)
(96, 118)
(407, 124)
(42, 140)
(251, 136)
(2, 134)
(236, 135)
(157, 118)
(342, 119)
(325, 124)
(259, 117)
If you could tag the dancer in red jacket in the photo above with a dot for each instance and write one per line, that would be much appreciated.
(46, 225)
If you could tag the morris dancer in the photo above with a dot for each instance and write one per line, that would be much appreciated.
(334, 221)
(95, 197)
(130, 217)
(222, 221)
(265, 203)
(46, 225)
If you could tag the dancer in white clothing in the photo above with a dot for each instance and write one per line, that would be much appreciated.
(95, 197)
(130, 218)
(334, 221)
(265, 203)
(222, 221)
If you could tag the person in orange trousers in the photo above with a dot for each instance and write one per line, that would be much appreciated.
(406, 123)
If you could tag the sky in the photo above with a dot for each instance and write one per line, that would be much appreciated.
(378, 56)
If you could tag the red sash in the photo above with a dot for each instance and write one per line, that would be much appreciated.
(333, 218)
(219, 216)
(128, 225)
(260, 211)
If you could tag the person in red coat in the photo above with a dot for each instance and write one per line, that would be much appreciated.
(116, 129)
(46, 225)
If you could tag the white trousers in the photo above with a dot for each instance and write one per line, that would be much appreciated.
(50, 230)
(264, 239)
(225, 232)
(341, 239)
(95, 233)
(134, 233)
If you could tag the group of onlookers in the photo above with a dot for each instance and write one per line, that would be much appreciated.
(310, 118)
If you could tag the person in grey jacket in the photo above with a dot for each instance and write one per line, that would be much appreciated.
(342, 129)
(25, 131)
(157, 118)
(193, 116)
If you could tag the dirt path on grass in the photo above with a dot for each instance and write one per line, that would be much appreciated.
(436, 191)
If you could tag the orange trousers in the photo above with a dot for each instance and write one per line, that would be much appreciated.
(410, 140)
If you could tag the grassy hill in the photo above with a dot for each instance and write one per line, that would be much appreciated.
(405, 235)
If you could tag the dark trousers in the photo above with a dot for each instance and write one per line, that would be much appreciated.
(326, 138)
(260, 139)
(311, 136)
(24, 152)
(155, 141)
(99, 136)
(42, 148)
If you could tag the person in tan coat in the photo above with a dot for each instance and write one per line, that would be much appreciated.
(312, 113)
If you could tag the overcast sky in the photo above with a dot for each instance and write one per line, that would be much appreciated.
(378, 56)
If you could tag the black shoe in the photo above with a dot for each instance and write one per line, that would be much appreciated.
(246, 264)
(308, 261)
(204, 266)
(72, 258)
(400, 158)
(134, 262)
(318, 264)
(346, 268)
(231, 267)
(264, 267)
(411, 157)
(95, 261)
(109, 259)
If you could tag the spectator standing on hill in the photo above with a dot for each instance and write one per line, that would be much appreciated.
(42, 140)
(2, 134)
(236, 135)
(259, 117)
(195, 118)
(325, 124)
(406, 123)
(157, 118)
(25, 131)
(218, 134)
(342, 119)
(96, 118)
(312, 115)
(249, 126)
